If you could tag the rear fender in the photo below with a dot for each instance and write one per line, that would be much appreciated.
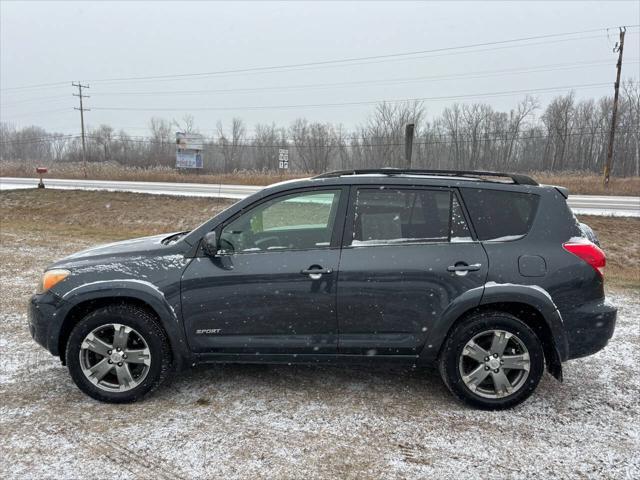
(532, 296)
(556, 346)
(536, 297)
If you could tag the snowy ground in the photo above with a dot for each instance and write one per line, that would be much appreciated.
(307, 422)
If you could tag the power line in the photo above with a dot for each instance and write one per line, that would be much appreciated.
(363, 142)
(340, 104)
(27, 141)
(349, 61)
(40, 112)
(35, 99)
(370, 62)
(354, 59)
(39, 85)
(466, 75)
(490, 135)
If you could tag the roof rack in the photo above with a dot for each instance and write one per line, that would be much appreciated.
(515, 178)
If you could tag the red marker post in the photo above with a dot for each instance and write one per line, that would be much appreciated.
(41, 171)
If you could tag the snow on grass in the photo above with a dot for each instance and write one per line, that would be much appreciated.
(321, 422)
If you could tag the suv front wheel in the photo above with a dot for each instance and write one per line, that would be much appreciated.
(492, 360)
(118, 354)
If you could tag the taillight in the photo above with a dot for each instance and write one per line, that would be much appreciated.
(587, 251)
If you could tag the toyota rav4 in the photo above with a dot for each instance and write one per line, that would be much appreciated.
(487, 275)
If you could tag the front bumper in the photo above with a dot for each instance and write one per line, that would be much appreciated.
(44, 320)
(589, 327)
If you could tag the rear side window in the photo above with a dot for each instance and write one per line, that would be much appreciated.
(499, 215)
(396, 216)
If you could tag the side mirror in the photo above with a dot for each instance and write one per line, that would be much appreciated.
(210, 244)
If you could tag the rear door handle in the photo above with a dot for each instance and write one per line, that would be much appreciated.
(317, 272)
(309, 271)
(463, 267)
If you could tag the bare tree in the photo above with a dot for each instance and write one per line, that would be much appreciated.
(186, 125)
(59, 143)
(103, 136)
(315, 144)
(162, 144)
(233, 144)
(558, 118)
(267, 142)
(452, 119)
(516, 119)
(383, 135)
(631, 122)
(569, 135)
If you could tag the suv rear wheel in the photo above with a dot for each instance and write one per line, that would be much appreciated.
(118, 354)
(492, 360)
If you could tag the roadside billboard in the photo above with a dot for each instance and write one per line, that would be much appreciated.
(189, 141)
(188, 159)
(189, 148)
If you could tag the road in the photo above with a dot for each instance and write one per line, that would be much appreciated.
(581, 204)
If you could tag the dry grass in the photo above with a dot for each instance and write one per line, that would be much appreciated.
(620, 239)
(102, 216)
(582, 183)
(579, 183)
(106, 216)
(112, 171)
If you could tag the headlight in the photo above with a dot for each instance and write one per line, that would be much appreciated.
(52, 278)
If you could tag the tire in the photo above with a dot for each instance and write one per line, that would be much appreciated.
(463, 364)
(118, 375)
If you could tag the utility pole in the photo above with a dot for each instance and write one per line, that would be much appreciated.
(82, 110)
(612, 133)
(408, 143)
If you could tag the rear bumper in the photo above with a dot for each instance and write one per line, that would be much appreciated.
(589, 328)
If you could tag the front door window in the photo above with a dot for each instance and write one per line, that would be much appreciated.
(299, 221)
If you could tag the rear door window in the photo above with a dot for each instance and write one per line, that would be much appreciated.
(402, 215)
(499, 215)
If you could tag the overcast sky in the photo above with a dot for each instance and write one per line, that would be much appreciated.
(97, 42)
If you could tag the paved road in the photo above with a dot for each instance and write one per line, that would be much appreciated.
(582, 204)
(157, 188)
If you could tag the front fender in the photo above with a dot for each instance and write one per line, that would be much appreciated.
(140, 290)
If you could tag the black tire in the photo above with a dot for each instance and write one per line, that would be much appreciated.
(450, 358)
(144, 323)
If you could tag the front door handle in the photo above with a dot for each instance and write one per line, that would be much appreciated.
(462, 268)
(315, 272)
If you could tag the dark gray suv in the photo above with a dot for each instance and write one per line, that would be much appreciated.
(487, 275)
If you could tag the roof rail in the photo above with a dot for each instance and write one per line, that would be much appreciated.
(515, 178)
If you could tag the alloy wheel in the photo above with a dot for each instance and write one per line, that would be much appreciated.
(494, 364)
(115, 357)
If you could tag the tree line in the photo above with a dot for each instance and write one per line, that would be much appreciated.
(567, 134)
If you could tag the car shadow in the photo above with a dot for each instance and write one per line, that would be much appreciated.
(333, 383)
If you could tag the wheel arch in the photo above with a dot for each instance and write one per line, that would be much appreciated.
(82, 304)
(534, 319)
(530, 304)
